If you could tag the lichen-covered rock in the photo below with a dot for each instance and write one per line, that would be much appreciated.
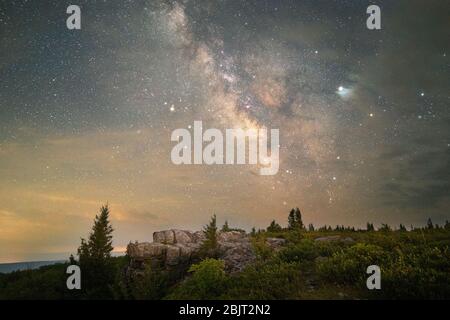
(275, 243)
(231, 236)
(166, 237)
(173, 255)
(334, 238)
(172, 248)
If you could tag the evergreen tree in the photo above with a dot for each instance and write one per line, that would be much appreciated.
(253, 232)
(402, 227)
(209, 246)
(370, 227)
(298, 219)
(295, 220)
(72, 260)
(447, 225)
(225, 227)
(95, 258)
(429, 224)
(274, 227)
(311, 227)
(291, 220)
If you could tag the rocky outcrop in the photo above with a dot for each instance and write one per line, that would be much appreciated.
(334, 238)
(174, 248)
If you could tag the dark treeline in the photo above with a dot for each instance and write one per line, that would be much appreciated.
(415, 263)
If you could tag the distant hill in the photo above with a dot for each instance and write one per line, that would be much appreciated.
(28, 265)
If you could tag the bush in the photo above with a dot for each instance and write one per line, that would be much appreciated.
(304, 250)
(348, 266)
(423, 274)
(270, 280)
(208, 281)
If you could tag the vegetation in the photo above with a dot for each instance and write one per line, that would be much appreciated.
(414, 262)
(95, 258)
(209, 246)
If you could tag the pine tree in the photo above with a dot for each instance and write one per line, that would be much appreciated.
(370, 227)
(298, 219)
(95, 257)
(225, 227)
(311, 227)
(429, 224)
(402, 227)
(295, 220)
(447, 225)
(209, 246)
(274, 227)
(291, 220)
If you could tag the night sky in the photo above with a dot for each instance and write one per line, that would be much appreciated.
(86, 115)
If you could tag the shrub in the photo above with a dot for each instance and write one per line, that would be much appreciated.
(208, 281)
(348, 266)
(270, 280)
(304, 250)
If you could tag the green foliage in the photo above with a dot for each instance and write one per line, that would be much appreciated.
(150, 285)
(349, 265)
(260, 247)
(46, 283)
(225, 227)
(414, 264)
(95, 258)
(418, 274)
(209, 246)
(270, 280)
(208, 281)
(274, 227)
(295, 220)
(304, 250)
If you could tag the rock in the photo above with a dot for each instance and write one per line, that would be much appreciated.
(230, 236)
(183, 237)
(166, 237)
(329, 238)
(173, 254)
(348, 240)
(172, 248)
(334, 238)
(275, 243)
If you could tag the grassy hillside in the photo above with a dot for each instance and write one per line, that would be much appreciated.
(414, 264)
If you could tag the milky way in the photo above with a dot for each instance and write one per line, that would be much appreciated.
(86, 115)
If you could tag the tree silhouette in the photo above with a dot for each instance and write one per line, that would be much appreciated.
(295, 220)
(95, 257)
(209, 246)
(274, 227)
(225, 227)
(430, 224)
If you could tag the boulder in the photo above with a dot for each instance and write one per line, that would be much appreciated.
(166, 237)
(183, 236)
(173, 255)
(334, 238)
(230, 236)
(172, 248)
(275, 243)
